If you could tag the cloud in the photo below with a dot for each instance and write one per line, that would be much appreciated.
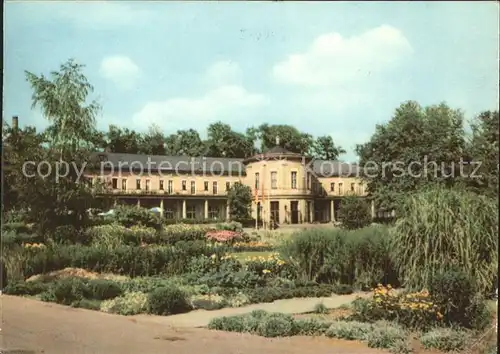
(121, 70)
(223, 73)
(227, 103)
(335, 61)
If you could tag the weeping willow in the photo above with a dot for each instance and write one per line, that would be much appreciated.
(442, 228)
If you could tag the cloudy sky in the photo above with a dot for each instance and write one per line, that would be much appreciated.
(333, 68)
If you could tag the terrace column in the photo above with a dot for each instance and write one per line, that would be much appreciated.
(227, 211)
(161, 207)
(311, 212)
(206, 209)
(138, 203)
(373, 209)
(332, 211)
(184, 216)
(115, 203)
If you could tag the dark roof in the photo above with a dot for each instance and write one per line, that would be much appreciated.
(215, 165)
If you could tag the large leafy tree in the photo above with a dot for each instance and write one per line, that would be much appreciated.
(484, 153)
(224, 142)
(324, 148)
(153, 142)
(240, 201)
(416, 148)
(185, 143)
(289, 138)
(63, 99)
(122, 140)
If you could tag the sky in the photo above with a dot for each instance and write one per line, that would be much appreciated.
(327, 68)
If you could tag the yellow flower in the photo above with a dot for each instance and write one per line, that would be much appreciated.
(213, 256)
(265, 271)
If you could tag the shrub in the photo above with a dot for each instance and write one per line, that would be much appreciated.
(182, 232)
(445, 339)
(87, 304)
(320, 308)
(67, 234)
(355, 213)
(227, 236)
(25, 288)
(228, 324)
(131, 303)
(310, 327)
(350, 330)
(168, 301)
(386, 336)
(66, 291)
(103, 289)
(440, 228)
(132, 216)
(455, 292)
(276, 325)
(208, 302)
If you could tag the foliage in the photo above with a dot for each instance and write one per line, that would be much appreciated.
(385, 335)
(132, 216)
(455, 292)
(239, 198)
(276, 325)
(131, 303)
(224, 142)
(320, 308)
(350, 330)
(225, 236)
(67, 291)
(445, 339)
(62, 100)
(416, 148)
(443, 228)
(355, 213)
(168, 301)
(252, 246)
(103, 289)
(325, 149)
(182, 232)
(25, 288)
(208, 302)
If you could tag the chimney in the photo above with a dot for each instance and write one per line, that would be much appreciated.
(15, 122)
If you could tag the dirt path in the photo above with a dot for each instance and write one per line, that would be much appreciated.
(201, 318)
(37, 327)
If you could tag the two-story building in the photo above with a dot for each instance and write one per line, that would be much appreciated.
(288, 187)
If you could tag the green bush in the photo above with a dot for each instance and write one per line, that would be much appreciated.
(228, 324)
(349, 330)
(130, 303)
(320, 308)
(276, 325)
(386, 336)
(183, 232)
(66, 291)
(442, 228)
(87, 304)
(67, 234)
(129, 216)
(455, 292)
(354, 212)
(21, 288)
(103, 289)
(310, 327)
(168, 301)
(445, 339)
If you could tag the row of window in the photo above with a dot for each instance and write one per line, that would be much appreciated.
(213, 212)
(170, 185)
(274, 183)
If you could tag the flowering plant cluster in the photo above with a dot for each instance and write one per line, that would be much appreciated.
(34, 245)
(271, 264)
(415, 309)
(225, 236)
(252, 246)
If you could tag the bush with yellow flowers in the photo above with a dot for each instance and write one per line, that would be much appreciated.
(252, 246)
(413, 310)
(271, 265)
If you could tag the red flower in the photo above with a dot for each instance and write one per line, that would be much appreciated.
(222, 235)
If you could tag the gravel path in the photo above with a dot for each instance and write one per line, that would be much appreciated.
(32, 327)
(201, 318)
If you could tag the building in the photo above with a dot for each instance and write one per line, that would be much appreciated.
(288, 187)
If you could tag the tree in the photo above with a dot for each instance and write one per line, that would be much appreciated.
(355, 213)
(122, 141)
(153, 142)
(62, 99)
(185, 143)
(483, 149)
(240, 201)
(325, 149)
(224, 142)
(416, 148)
(289, 138)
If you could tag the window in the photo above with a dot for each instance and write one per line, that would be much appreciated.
(115, 183)
(294, 179)
(161, 185)
(183, 185)
(148, 182)
(352, 187)
(170, 186)
(341, 188)
(169, 213)
(191, 212)
(257, 181)
(213, 212)
(124, 184)
(205, 187)
(274, 180)
(214, 187)
(332, 187)
(137, 184)
(228, 186)
(193, 187)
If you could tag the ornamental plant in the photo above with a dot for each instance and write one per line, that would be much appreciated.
(224, 236)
